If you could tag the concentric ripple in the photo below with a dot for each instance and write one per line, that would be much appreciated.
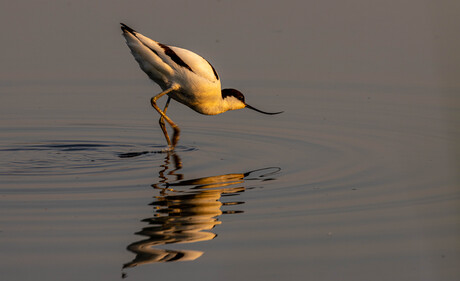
(70, 157)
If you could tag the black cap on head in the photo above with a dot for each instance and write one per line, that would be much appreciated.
(233, 93)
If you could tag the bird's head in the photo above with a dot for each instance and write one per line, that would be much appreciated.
(235, 100)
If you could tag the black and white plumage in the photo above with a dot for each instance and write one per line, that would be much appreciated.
(185, 77)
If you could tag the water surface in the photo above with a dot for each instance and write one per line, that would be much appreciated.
(364, 182)
(358, 179)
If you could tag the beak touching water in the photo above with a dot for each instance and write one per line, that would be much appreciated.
(258, 110)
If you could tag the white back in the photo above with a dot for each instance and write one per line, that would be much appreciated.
(198, 64)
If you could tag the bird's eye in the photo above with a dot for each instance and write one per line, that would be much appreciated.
(239, 96)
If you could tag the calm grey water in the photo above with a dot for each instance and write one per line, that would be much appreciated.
(357, 180)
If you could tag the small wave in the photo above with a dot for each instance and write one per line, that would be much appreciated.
(64, 157)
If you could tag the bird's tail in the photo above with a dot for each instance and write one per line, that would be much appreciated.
(126, 28)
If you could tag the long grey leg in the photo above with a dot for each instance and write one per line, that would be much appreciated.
(162, 122)
(176, 129)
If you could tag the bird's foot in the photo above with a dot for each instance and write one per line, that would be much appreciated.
(167, 149)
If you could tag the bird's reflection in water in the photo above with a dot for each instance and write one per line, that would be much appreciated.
(185, 211)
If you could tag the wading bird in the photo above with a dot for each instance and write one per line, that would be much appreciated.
(183, 76)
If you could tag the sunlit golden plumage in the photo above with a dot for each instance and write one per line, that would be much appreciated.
(184, 77)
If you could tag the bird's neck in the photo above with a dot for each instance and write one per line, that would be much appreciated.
(231, 103)
(220, 106)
